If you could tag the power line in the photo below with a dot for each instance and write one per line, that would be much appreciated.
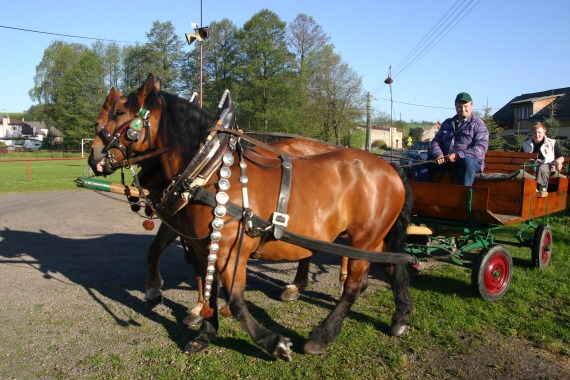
(428, 34)
(414, 56)
(421, 105)
(419, 44)
(67, 35)
(413, 104)
(424, 51)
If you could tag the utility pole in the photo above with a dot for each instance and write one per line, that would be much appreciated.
(368, 132)
(200, 34)
(389, 82)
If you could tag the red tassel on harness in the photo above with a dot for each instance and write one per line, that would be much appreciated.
(207, 311)
(148, 225)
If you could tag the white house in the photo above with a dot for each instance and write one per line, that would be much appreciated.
(390, 135)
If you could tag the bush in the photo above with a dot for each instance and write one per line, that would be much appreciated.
(380, 144)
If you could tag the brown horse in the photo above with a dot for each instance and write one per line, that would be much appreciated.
(152, 178)
(343, 191)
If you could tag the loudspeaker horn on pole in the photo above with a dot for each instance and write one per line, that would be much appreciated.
(200, 35)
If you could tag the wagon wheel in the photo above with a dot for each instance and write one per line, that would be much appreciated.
(542, 246)
(492, 273)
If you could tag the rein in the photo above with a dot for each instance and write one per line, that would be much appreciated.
(137, 159)
(132, 128)
(253, 141)
(417, 163)
(208, 198)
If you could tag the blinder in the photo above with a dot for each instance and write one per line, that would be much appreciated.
(133, 132)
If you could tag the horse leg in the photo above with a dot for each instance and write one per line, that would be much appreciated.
(400, 281)
(343, 272)
(164, 237)
(356, 282)
(194, 319)
(275, 344)
(209, 327)
(293, 291)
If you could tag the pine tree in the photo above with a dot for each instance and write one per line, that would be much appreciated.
(496, 142)
(552, 125)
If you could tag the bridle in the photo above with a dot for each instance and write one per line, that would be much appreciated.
(133, 130)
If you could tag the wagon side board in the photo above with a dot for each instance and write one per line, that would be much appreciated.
(499, 202)
(454, 202)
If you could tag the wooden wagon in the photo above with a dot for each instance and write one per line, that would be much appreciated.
(460, 219)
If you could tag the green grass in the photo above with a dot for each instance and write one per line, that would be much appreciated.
(45, 175)
(446, 316)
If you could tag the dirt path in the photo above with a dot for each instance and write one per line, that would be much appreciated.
(72, 286)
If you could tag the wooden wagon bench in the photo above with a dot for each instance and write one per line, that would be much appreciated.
(504, 194)
(457, 219)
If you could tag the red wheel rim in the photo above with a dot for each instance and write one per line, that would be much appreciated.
(545, 247)
(497, 271)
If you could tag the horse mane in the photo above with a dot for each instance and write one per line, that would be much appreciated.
(183, 124)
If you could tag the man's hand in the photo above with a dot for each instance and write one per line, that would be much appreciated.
(453, 157)
(449, 158)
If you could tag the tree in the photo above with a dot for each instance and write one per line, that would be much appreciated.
(496, 142)
(552, 125)
(264, 73)
(220, 56)
(111, 57)
(416, 133)
(381, 118)
(336, 94)
(519, 139)
(57, 59)
(164, 55)
(354, 138)
(133, 67)
(305, 38)
(79, 100)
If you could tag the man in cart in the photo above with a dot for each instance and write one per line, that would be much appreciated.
(459, 146)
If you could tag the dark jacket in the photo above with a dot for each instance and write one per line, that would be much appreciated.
(471, 140)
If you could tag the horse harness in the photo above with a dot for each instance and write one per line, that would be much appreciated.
(215, 154)
(133, 130)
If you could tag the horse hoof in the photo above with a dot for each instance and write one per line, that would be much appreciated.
(194, 347)
(291, 293)
(226, 312)
(192, 320)
(283, 349)
(399, 329)
(314, 348)
(151, 303)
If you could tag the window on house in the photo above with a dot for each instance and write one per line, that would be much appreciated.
(523, 113)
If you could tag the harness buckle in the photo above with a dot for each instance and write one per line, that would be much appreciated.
(280, 219)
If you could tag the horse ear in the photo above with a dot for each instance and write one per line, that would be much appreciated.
(157, 84)
(111, 98)
(148, 85)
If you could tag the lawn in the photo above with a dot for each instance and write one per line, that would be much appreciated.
(447, 316)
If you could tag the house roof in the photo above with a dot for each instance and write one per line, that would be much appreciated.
(505, 115)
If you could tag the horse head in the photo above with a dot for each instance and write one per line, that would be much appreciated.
(123, 128)
(132, 127)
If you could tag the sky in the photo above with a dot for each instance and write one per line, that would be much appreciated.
(493, 49)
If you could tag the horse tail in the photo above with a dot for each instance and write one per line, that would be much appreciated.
(396, 237)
